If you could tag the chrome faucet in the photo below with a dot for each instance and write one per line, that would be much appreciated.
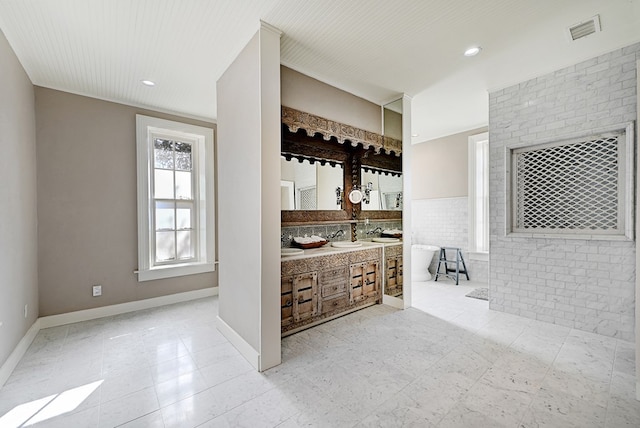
(336, 234)
(376, 230)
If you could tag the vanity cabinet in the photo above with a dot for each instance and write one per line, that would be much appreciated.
(393, 270)
(323, 287)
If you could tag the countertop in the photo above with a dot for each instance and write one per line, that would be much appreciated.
(327, 250)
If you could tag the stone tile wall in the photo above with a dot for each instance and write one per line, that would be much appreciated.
(585, 284)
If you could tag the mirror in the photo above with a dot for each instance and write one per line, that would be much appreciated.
(382, 191)
(307, 186)
(389, 192)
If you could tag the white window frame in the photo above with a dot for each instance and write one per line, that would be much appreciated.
(147, 128)
(478, 197)
(626, 185)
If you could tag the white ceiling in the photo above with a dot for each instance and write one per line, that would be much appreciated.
(376, 49)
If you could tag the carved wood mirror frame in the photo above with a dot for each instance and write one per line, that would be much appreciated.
(302, 138)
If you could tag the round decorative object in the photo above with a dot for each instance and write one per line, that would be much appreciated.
(355, 196)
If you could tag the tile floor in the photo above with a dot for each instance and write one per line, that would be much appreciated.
(452, 363)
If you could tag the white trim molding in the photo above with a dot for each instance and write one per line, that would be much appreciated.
(478, 149)
(247, 351)
(637, 224)
(12, 362)
(624, 134)
(200, 202)
(123, 308)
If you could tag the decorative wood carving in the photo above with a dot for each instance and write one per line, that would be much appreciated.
(312, 124)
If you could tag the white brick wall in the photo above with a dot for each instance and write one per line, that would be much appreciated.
(589, 285)
(445, 223)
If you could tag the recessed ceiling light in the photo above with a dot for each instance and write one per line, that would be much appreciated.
(148, 83)
(472, 51)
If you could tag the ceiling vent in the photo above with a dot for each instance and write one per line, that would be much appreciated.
(584, 28)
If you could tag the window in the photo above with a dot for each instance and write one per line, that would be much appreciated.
(479, 193)
(175, 199)
(574, 188)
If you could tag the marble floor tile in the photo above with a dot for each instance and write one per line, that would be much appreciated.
(151, 420)
(448, 362)
(499, 403)
(128, 408)
(171, 369)
(173, 390)
(552, 408)
(267, 410)
(401, 411)
(192, 411)
(120, 386)
(88, 418)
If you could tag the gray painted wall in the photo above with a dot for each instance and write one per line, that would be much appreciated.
(87, 224)
(586, 284)
(307, 94)
(18, 225)
(440, 166)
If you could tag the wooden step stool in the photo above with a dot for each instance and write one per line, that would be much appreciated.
(444, 263)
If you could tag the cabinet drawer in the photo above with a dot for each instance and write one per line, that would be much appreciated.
(334, 274)
(334, 281)
(329, 290)
(335, 304)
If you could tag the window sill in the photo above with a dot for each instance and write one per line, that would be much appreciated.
(174, 271)
(586, 236)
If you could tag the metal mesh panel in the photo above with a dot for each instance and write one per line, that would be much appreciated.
(308, 198)
(568, 187)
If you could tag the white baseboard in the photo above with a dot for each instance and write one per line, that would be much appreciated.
(7, 368)
(394, 302)
(122, 308)
(239, 343)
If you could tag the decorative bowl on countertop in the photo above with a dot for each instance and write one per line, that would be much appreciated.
(391, 235)
(316, 244)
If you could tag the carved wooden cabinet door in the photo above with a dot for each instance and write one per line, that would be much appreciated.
(393, 275)
(357, 278)
(365, 280)
(371, 284)
(305, 296)
(286, 300)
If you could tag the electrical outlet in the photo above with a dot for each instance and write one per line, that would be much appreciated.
(26, 310)
(97, 290)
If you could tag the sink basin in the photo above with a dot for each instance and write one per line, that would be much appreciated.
(346, 244)
(291, 251)
(386, 240)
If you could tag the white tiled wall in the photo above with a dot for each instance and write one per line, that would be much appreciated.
(584, 284)
(445, 222)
